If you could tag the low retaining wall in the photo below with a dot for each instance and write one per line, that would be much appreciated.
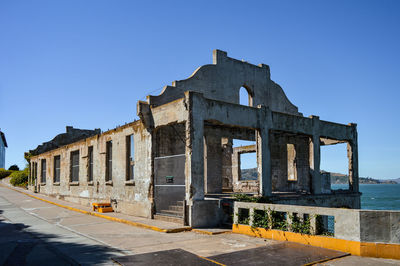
(360, 232)
(367, 249)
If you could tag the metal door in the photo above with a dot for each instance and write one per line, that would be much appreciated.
(169, 184)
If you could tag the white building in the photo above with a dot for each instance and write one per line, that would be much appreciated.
(3, 146)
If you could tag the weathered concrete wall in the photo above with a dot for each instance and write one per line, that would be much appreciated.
(212, 163)
(206, 213)
(227, 175)
(356, 225)
(335, 200)
(222, 81)
(170, 140)
(279, 162)
(380, 226)
(128, 197)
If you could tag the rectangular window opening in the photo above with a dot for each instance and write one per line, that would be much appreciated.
(244, 216)
(109, 161)
(43, 173)
(325, 225)
(90, 163)
(246, 156)
(56, 172)
(261, 219)
(248, 166)
(291, 162)
(334, 166)
(35, 173)
(300, 223)
(279, 220)
(74, 174)
(130, 158)
(31, 167)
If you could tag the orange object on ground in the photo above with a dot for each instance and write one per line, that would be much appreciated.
(100, 206)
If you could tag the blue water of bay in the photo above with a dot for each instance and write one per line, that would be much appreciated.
(377, 196)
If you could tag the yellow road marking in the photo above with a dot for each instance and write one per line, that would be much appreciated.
(115, 219)
(213, 261)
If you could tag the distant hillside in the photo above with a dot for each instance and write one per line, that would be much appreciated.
(337, 178)
(249, 174)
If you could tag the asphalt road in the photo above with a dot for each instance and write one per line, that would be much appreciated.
(33, 232)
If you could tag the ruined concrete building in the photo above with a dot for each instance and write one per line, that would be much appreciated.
(179, 161)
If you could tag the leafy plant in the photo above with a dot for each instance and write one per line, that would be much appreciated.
(243, 216)
(262, 219)
(270, 219)
(4, 173)
(19, 178)
(248, 198)
(321, 229)
(300, 226)
(278, 220)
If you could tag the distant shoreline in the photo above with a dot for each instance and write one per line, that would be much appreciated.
(343, 179)
(370, 183)
(336, 178)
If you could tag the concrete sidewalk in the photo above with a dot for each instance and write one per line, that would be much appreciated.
(156, 225)
(34, 229)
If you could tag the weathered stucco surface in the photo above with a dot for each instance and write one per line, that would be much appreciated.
(130, 198)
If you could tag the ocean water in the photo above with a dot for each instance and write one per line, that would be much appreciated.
(377, 196)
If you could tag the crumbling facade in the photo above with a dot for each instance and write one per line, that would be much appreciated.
(179, 161)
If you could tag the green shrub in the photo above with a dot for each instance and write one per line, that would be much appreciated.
(19, 178)
(14, 167)
(248, 198)
(298, 225)
(4, 173)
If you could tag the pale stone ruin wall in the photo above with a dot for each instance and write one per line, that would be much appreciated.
(127, 197)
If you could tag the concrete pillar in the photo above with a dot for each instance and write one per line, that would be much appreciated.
(313, 224)
(194, 150)
(251, 216)
(235, 214)
(264, 152)
(352, 155)
(213, 164)
(227, 151)
(315, 157)
(289, 221)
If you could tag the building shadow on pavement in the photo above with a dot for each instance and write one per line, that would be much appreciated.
(21, 245)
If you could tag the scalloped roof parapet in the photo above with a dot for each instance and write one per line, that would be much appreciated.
(222, 81)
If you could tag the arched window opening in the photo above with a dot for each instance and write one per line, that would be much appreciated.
(245, 97)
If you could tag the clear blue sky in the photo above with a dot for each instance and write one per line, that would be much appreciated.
(86, 63)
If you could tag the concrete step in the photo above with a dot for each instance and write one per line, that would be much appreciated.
(172, 212)
(168, 218)
(176, 208)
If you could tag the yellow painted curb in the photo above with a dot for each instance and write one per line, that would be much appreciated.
(114, 219)
(367, 249)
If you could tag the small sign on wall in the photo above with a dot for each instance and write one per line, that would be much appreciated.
(169, 179)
